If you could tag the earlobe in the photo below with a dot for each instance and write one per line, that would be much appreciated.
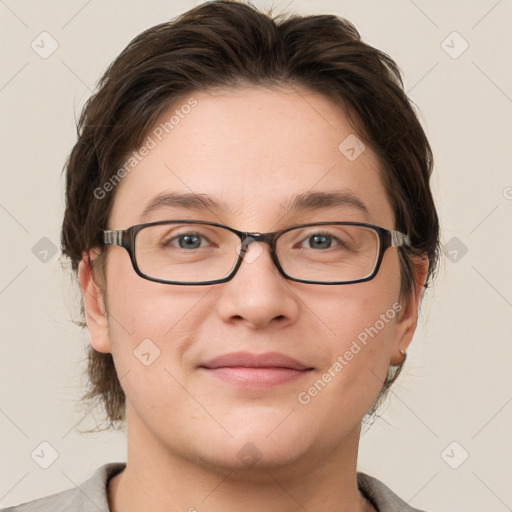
(95, 312)
(406, 323)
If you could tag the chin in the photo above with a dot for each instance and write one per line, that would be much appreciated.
(249, 460)
(258, 443)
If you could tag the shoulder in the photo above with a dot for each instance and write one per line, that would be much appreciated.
(90, 496)
(382, 497)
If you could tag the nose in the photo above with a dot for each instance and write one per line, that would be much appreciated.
(258, 295)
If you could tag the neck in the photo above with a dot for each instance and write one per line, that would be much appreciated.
(157, 480)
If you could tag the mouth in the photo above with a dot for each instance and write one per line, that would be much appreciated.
(255, 370)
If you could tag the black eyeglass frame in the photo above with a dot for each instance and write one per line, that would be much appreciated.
(126, 238)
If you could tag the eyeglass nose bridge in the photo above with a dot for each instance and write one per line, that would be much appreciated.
(266, 238)
(248, 238)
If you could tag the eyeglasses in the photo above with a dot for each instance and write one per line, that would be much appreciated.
(194, 252)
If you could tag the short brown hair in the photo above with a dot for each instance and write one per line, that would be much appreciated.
(222, 44)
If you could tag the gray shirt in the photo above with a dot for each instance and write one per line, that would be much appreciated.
(91, 496)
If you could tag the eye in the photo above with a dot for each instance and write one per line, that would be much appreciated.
(187, 241)
(320, 241)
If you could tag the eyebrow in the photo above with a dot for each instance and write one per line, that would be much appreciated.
(308, 201)
(190, 201)
(318, 200)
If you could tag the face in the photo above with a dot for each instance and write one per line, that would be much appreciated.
(252, 151)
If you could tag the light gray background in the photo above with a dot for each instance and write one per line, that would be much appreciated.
(457, 381)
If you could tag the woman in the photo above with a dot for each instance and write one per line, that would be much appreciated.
(249, 216)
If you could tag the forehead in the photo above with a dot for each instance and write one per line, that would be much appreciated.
(254, 152)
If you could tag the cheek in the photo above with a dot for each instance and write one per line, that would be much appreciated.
(150, 326)
(346, 386)
(144, 309)
(361, 312)
(358, 342)
(364, 334)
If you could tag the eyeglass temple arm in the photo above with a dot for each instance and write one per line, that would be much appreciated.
(398, 239)
(113, 237)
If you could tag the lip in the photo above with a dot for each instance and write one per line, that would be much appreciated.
(250, 360)
(255, 370)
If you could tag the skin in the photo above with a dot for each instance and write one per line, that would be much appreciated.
(252, 148)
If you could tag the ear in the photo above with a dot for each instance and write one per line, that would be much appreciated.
(408, 319)
(95, 312)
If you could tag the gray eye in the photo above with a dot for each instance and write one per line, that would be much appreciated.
(320, 241)
(189, 241)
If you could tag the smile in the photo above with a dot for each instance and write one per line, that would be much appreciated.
(255, 370)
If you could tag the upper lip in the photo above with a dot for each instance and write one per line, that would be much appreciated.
(250, 360)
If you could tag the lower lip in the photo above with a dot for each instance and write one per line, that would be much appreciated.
(256, 377)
